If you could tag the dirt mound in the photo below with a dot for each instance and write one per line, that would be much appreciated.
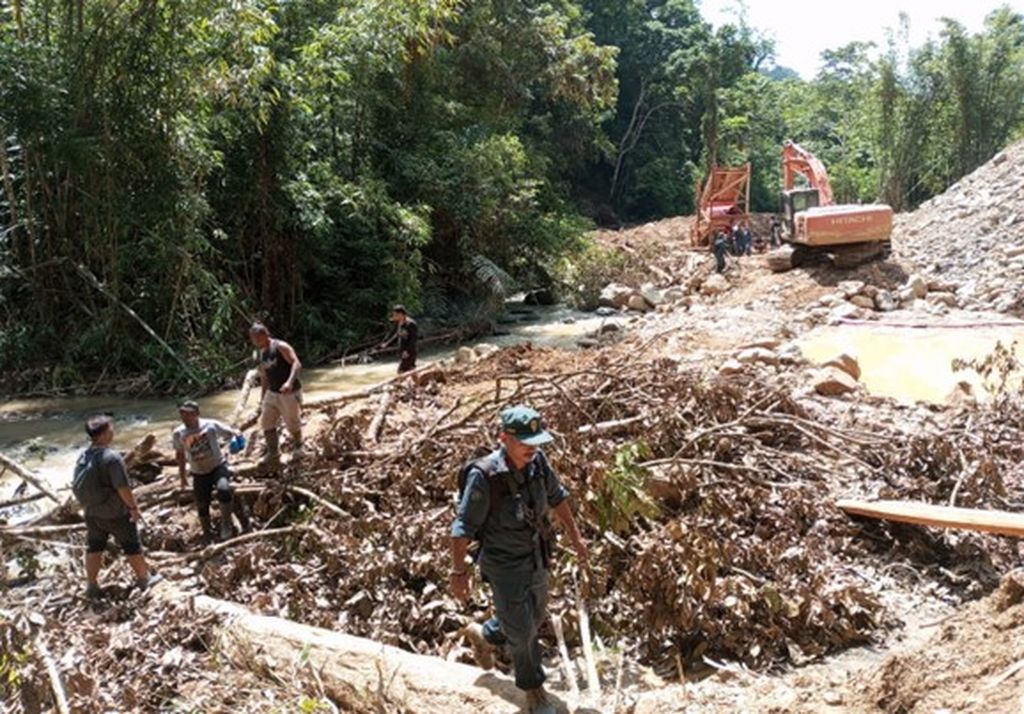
(971, 238)
(971, 664)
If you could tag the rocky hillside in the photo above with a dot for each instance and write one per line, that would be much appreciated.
(973, 235)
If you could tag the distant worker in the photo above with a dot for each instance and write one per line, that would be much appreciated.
(760, 245)
(100, 483)
(505, 503)
(776, 231)
(406, 335)
(197, 441)
(720, 248)
(748, 239)
(279, 369)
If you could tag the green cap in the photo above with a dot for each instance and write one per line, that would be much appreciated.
(525, 424)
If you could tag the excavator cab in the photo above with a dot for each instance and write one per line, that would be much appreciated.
(794, 201)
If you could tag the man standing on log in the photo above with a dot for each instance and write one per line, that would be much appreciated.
(198, 441)
(406, 334)
(279, 369)
(504, 503)
(100, 483)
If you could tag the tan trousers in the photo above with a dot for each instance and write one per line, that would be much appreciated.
(277, 406)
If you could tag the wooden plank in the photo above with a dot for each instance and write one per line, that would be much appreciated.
(926, 514)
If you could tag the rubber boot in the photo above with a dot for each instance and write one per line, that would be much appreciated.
(298, 453)
(272, 457)
(242, 514)
(227, 530)
(204, 521)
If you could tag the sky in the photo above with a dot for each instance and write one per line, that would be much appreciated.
(803, 29)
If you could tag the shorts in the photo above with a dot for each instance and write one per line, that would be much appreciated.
(277, 407)
(124, 530)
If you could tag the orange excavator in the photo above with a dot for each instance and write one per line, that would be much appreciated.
(846, 235)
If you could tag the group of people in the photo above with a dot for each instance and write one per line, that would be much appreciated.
(502, 522)
(738, 240)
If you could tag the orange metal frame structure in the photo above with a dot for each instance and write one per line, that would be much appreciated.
(724, 201)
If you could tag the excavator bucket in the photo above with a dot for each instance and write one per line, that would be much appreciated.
(724, 200)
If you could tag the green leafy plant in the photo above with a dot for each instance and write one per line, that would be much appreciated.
(622, 495)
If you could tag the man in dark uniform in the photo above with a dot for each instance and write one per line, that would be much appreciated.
(197, 444)
(279, 368)
(505, 504)
(100, 483)
(406, 334)
(720, 247)
(776, 232)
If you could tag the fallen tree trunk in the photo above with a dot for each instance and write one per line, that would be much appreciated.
(26, 475)
(360, 672)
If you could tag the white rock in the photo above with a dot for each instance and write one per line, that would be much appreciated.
(884, 301)
(947, 299)
(652, 295)
(757, 354)
(465, 355)
(674, 294)
(615, 295)
(485, 350)
(849, 288)
(730, 367)
(918, 286)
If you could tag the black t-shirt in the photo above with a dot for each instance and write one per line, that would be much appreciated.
(408, 333)
(276, 368)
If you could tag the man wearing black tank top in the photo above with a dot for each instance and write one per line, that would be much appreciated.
(279, 369)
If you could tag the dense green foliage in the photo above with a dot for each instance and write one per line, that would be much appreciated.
(192, 164)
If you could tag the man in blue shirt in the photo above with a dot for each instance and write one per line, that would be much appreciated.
(505, 504)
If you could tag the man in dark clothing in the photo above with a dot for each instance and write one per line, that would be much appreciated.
(406, 335)
(505, 505)
(100, 483)
(748, 239)
(720, 248)
(197, 442)
(279, 369)
(776, 232)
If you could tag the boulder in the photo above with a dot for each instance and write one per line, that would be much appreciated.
(944, 298)
(962, 395)
(465, 355)
(652, 295)
(847, 363)
(849, 288)
(884, 301)
(485, 350)
(832, 382)
(863, 301)
(844, 311)
(587, 343)
(780, 260)
(605, 311)
(637, 303)
(674, 293)
(870, 290)
(615, 295)
(609, 327)
(715, 285)
(730, 367)
(429, 376)
(917, 285)
(757, 354)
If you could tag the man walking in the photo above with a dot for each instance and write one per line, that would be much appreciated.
(406, 334)
(279, 369)
(776, 231)
(100, 483)
(197, 441)
(505, 503)
(720, 247)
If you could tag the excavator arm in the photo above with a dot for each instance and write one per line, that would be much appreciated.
(797, 160)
